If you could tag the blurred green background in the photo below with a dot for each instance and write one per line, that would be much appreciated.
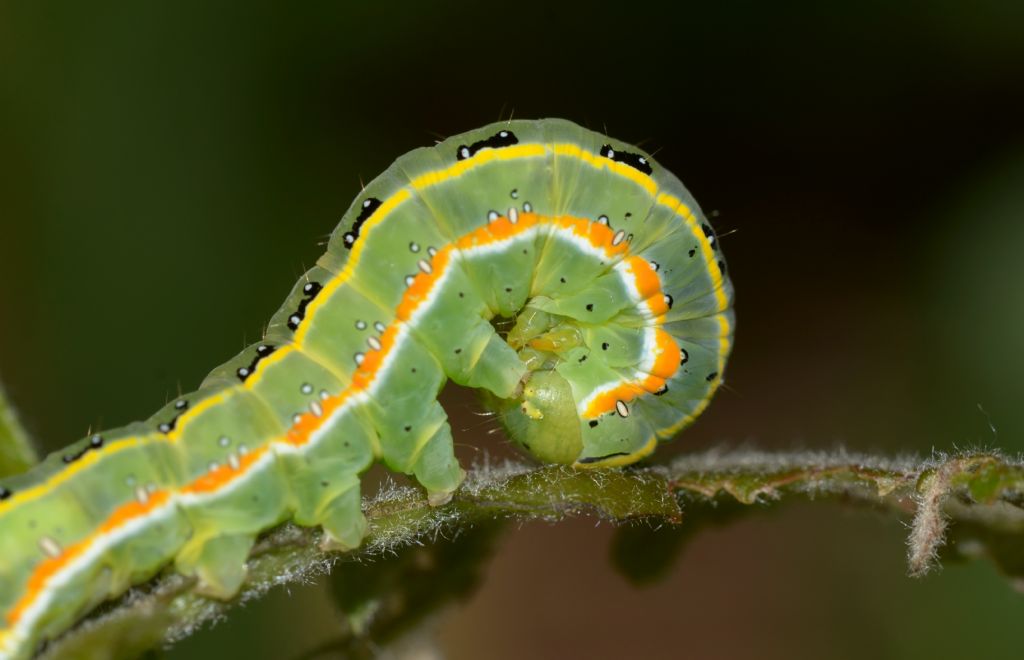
(167, 170)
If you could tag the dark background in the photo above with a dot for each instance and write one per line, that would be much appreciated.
(167, 171)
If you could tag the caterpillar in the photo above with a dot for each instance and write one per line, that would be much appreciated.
(562, 272)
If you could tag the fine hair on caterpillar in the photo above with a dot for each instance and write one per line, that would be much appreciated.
(562, 273)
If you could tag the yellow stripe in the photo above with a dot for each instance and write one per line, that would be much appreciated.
(381, 214)
(681, 209)
(714, 272)
(600, 162)
(221, 396)
(513, 152)
(63, 475)
(669, 431)
(250, 382)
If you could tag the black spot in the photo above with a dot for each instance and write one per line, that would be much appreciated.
(262, 351)
(413, 370)
(686, 356)
(604, 346)
(508, 289)
(582, 359)
(95, 442)
(408, 428)
(590, 307)
(597, 459)
(309, 291)
(692, 252)
(370, 204)
(324, 484)
(709, 233)
(721, 267)
(458, 350)
(496, 141)
(562, 279)
(712, 376)
(662, 390)
(461, 295)
(628, 214)
(5, 493)
(636, 161)
(167, 427)
(592, 423)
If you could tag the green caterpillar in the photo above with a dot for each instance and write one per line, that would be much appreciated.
(620, 312)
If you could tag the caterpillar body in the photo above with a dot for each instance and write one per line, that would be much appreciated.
(617, 323)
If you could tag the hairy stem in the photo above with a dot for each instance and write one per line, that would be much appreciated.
(976, 497)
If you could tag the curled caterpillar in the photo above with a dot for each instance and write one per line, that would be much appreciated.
(596, 263)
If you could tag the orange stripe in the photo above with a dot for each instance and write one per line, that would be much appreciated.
(666, 362)
(215, 480)
(668, 355)
(373, 360)
(645, 278)
(422, 285)
(51, 566)
(605, 401)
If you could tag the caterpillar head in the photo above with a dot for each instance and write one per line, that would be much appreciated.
(543, 420)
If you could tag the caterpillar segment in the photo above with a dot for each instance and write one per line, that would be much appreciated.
(616, 323)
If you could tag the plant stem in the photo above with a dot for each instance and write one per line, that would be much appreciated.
(980, 494)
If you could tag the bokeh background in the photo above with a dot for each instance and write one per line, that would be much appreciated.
(167, 170)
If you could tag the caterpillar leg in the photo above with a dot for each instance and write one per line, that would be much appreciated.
(437, 468)
(413, 429)
(457, 332)
(324, 479)
(416, 439)
(218, 561)
(342, 518)
(328, 495)
(225, 522)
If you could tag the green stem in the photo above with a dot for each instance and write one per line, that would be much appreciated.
(980, 494)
